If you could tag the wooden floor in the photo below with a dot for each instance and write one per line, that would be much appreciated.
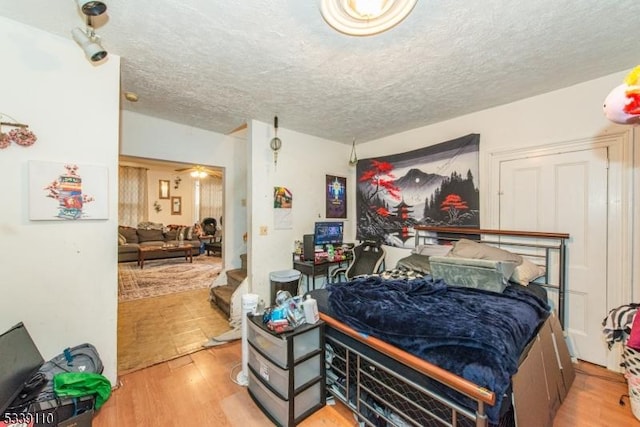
(200, 390)
(153, 330)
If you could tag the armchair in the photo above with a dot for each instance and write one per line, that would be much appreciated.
(210, 228)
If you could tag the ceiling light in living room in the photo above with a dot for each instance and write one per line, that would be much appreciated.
(365, 17)
(198, 174)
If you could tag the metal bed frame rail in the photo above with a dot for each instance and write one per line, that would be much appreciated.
(371, 389)
(548, 242)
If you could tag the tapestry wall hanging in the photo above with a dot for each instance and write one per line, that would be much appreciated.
(67, 191)
(435, 185)
(336, 196)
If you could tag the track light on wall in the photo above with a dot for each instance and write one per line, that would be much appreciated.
(92, 8)
(90, 43)
(87, 39)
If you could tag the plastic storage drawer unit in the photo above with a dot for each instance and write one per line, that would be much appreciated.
(302, 404)
(275, 347)
(286, 371)
(278, 378)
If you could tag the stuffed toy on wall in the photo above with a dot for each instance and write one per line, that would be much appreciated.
(622, 105)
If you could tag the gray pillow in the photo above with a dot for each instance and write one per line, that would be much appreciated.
(415, 262)
(171, 235)
(129, 233)
(150, 235)
(484, 274)
(465, 248)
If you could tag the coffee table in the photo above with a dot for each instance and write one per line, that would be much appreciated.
(143, 250)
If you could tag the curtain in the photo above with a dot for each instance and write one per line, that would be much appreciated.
(211, 198)
(132, 195)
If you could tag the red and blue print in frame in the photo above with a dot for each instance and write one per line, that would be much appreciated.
(336, 196)
(435, 185)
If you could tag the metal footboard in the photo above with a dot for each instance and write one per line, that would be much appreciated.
(375, 393)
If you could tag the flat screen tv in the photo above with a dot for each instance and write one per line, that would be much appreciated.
(328, 233)
(20, 359)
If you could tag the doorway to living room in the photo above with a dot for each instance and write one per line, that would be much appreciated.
(164, 309)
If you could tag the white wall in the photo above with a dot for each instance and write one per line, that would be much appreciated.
(564, 115)
(303, 163)
(185, 191)
(58, 277)
(153, 138)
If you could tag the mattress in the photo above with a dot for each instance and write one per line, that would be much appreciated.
(497, 380)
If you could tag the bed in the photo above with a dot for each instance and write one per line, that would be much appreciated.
(490, 352)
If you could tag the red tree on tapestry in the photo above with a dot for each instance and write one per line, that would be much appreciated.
(454, 205)
(381, 181)
(431, 186)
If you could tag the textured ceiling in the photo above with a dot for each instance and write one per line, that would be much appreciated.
(217, 64)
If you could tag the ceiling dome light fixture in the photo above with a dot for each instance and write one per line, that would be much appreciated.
(365, 17)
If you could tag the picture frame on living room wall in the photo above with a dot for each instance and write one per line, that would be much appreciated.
(164, 189)
(67, 191)
(176, 205)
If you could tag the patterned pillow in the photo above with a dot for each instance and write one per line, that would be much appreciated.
(188, 233)
(121, 239)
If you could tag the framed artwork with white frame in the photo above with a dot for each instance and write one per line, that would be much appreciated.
(164, 189)
(67, 191)
(176, 205)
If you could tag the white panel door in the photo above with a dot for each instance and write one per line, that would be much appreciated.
(567, 193)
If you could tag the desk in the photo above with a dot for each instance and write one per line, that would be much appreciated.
(313, 269)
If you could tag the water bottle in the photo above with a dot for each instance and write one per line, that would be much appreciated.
(310, 308)
(260, 308)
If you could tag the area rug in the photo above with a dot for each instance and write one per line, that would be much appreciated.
(166, 276)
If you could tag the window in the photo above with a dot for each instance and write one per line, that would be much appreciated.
(132, 195)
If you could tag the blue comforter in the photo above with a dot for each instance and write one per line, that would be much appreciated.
(476, 334)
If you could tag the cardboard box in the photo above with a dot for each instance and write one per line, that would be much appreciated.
(543, 378)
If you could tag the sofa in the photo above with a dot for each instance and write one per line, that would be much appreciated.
(154, 234)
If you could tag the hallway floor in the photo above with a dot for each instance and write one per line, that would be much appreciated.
(158, 329)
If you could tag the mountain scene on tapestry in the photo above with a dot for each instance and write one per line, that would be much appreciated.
(434, 185)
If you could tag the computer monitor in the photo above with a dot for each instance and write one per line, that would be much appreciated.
(20, 359)
(328, 233)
